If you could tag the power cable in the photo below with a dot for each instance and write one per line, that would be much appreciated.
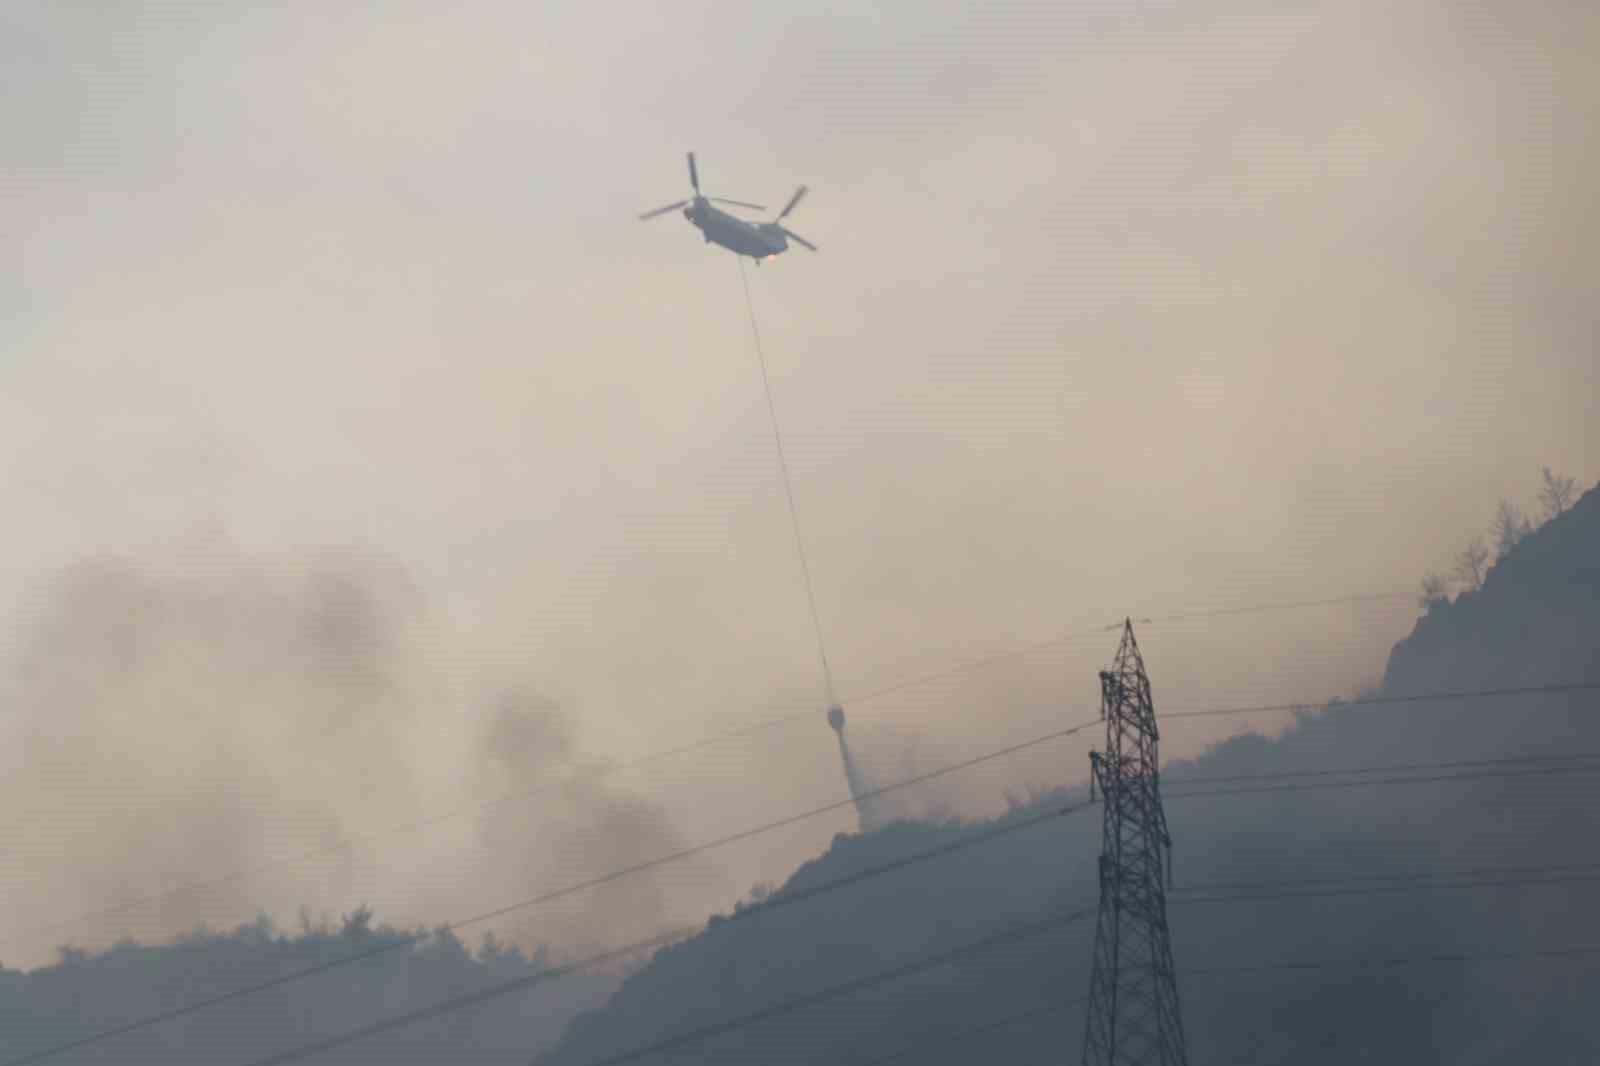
(1184, 896)
(1449, 880)
(788, 487)
(1077, 634)
(1175, 779)
(1443, 958)
(1248, 709)
(944, 1036)
(782, 900)
(1311, 786)
(1413, 875)
(1372, 701)
(928, 1038)
(785, 899)
(1218, 612)
(1010, 935)
(348, 843)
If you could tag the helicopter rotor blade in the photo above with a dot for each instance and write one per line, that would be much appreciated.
(662, 210)
(793, 236)
(736, 203)
(799, 194)
(694, 175)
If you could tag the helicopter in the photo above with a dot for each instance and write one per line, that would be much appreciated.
(759, 240)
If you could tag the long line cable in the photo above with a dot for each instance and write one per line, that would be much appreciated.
(784, 899)
(942, 1036)
(1427, 697)
(1412, 779)
(1185, 896)
(787, 898)
(547, 897)
(1089, 631)
(349, 842)
(1009, 935)
(1384, 768)
(1374, 701)
(1409, 875)
(788, 486)
(1023, 932)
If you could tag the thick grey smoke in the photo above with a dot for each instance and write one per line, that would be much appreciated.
(567, 822)
(189, 717)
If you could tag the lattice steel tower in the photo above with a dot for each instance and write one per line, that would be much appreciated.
(1133, 993)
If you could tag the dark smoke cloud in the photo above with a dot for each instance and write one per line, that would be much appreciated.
(576, 824)
(183, 717)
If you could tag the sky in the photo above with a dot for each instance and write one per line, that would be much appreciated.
(364, 458)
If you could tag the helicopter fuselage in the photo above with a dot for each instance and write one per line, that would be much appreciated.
(755, 239)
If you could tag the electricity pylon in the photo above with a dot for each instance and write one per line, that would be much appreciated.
(1133, 993)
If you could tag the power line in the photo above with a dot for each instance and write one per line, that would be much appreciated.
(1388, 768)
(928, 1038)
(1282, 605)
(1411, 875)
(1077, 634)
(1442, 958)
(785, 899)
(788, 487)
(348, 843)
(1184, 896)
(1370, 701)
(694, 1036)
(1247, 709)
(1311, 786)
(782, 900)
(945, 1036)
(1012, 935)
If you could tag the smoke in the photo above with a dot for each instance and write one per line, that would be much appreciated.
(186, 716)
(568, 822)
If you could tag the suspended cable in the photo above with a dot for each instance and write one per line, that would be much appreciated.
(1078, 634)
(1282, 605)
(1373, 701)
(1485, 877)
(349, 843)
(615, 875)
(1384, 768)
(785, 898)
(1413, 875)
(1187, 895)
(1010, 935)
(788, 487)
(1416, 779)
(1023, 932)
(944, 1036)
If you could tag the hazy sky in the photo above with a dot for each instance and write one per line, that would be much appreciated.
(337, 373)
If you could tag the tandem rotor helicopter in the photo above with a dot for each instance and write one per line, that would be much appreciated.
(758, 240)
